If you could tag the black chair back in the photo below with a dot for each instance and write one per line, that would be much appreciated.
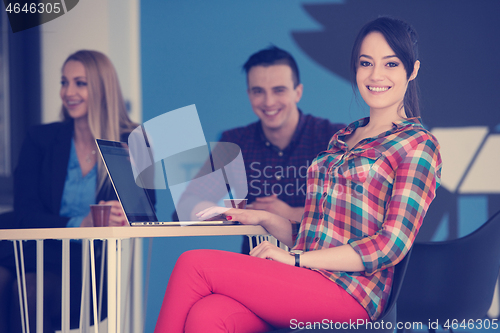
(452, 279)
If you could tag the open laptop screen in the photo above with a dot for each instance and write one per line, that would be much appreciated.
(134, 199)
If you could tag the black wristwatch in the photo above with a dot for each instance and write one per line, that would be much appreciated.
(296, 254)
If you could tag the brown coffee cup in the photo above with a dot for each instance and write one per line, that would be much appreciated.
(100, 215)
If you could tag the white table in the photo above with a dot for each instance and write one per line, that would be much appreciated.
(112, 236)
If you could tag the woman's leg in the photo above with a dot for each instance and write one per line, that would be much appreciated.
(219, 313)
(275, 292)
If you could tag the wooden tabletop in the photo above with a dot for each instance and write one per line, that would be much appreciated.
(130, 232)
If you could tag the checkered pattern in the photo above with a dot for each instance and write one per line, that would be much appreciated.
(373, 197)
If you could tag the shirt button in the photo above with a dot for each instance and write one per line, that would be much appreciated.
(267, 143)
(316, 239)
(324, 195)
(321, 216)
(278, 178)
(280, 153)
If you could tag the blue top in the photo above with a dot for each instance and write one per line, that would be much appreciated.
(79, 192)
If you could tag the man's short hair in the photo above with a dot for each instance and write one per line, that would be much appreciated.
(273, 56)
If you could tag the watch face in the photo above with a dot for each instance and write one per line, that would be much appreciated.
(293, 252)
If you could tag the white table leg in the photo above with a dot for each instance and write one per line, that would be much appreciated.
(118, 284)
(65, 286)
(85, 295)
(112, 315)
(136, 299)
(101, 278)
(127, 269)
(94, 288)
(39, 286)
(21, 286)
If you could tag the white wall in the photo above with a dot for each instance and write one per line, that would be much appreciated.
(109, 26)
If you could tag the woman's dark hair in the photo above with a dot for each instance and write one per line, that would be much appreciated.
(402, 39)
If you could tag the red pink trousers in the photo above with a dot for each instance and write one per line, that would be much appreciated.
(216, 291)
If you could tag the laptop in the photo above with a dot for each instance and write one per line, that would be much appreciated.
(134, 199)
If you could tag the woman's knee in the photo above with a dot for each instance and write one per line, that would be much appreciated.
(197, 255)
(197, 258)
(220, 313)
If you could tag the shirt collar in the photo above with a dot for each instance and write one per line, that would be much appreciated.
(397, 126)
(295, 137)
(408, 122)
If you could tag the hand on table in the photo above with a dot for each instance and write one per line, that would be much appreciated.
(244, 216)
(212, 213)
(116, 217)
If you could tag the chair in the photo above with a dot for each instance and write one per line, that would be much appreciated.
(386, 323)
(254, 240)
(452, 280)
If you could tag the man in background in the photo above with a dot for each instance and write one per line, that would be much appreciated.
(278, 149)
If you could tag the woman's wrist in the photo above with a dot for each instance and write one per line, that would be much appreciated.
(265, 218)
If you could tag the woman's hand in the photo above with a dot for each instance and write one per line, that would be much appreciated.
(277, 226)
(212, 213)
(247, 216)
(244, 216)
(267, 250)
(117, 216)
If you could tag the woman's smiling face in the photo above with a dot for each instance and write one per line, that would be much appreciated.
(74, 90)
(381, 76)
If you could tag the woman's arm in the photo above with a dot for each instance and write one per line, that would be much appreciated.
(277, 206)
(416, 180)
(34, 182)
(341, 258)
(279, 227)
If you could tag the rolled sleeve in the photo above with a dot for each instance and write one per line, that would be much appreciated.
(416, 180)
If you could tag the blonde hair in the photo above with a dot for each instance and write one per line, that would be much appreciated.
(107, 114)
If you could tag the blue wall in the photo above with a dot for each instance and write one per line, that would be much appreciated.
(192, 52)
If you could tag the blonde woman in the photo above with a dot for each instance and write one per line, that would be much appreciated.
(59, 175)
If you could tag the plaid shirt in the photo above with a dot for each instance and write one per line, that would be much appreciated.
(373, 197)
(270, 170)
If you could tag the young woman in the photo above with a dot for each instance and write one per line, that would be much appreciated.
(59, 175)
(367, 195)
